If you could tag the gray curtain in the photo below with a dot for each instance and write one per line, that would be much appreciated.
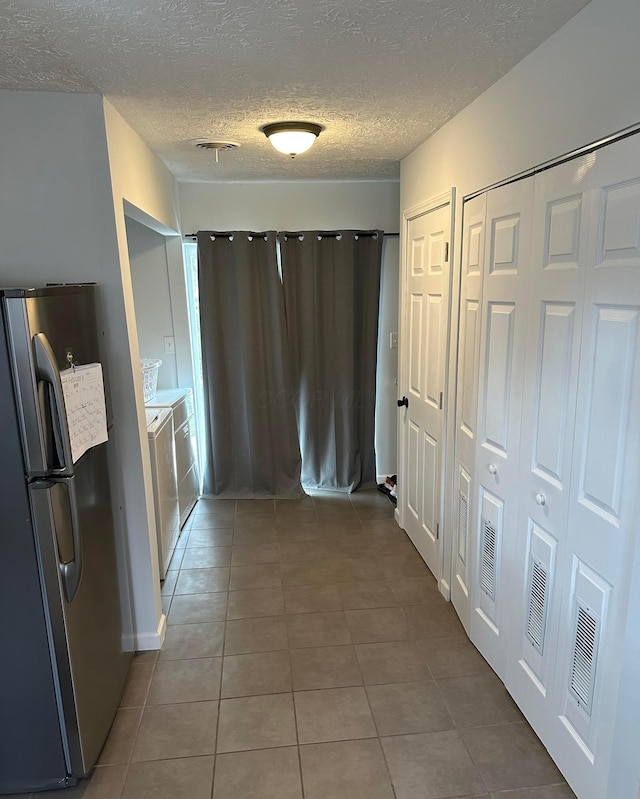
(251, 439)
(332, 290)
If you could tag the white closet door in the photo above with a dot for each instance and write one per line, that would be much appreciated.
(423, 360)
(504, 326)
(555, 296)
(466, 401)
(605, 483)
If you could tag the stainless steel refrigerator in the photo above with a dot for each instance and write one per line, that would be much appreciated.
(64, 613)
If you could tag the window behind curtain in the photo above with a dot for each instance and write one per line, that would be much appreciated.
(190, 250)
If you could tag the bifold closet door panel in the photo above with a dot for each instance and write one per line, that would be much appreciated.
(466, 401)
(604, 502)
(501, 362)
(555, 296)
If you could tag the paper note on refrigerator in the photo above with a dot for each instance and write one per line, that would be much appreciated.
(83, 390)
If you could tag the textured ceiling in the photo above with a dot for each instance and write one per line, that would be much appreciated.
(380, 75)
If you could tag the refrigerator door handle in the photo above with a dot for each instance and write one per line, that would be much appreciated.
(72, 570)
(47, 370)
(56, 507)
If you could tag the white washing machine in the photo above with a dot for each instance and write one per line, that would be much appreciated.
(180, 401)
(165, 487)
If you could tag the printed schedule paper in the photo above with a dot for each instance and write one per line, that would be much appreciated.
(83, 389)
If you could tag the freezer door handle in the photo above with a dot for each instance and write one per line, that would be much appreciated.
(56, 506)
(47, 370)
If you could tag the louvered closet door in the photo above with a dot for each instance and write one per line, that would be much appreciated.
(423, 359)
(555, 296)
(605, 484)
(466, 400)
(504, 325)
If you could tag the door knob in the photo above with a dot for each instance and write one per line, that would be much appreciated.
(404, 402)
(493, 469)
(541, 499)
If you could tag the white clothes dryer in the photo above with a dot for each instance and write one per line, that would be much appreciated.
(165, 488)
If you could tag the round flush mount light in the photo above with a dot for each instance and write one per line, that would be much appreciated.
(292, 138)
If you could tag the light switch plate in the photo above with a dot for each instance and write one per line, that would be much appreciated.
(169, 345)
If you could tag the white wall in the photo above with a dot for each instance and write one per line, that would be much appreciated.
(140, 179)
(317, 206)
(152, 297)
(57, 225)
(577, 87)
(289, 206)
(68, 164)
(143, 189)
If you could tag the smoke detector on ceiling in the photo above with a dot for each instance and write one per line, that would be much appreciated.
(215, 144)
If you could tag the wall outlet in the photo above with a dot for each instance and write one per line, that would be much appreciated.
(169, 345)
(393, 341)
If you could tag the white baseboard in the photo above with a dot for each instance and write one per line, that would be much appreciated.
(149, 641)
(445, 589)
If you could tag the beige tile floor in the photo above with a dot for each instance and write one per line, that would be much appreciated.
(310, 655)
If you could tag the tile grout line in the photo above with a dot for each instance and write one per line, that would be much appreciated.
(137, 732)
(377, 729)
(224, 639)
(361, 525)
(295, 722)
(222, 657)
(458, 731)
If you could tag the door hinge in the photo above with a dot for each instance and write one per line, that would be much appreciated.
(441, 399)
(446, 251)
(437, 530)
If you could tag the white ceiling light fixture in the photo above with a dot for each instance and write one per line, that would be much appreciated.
(292, 138)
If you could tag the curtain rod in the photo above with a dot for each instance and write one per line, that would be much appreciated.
(625, 133)
(327, 233)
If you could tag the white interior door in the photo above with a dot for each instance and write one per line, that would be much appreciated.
(555, 296)
(466, 401)
(423, 358)
(604, 495)
(504, 326)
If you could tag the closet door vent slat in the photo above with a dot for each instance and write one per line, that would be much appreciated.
(537, 610)
(463, 526)
(583, 659)
(488, 558)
